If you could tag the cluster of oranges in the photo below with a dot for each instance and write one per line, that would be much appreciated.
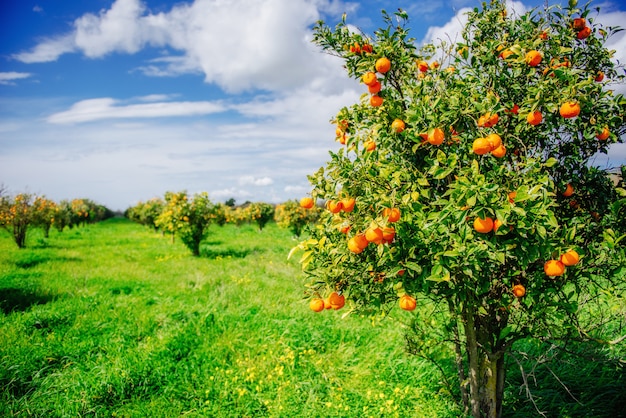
(370, 79)
(333, 301)
(375, 233)
(556, 267)
(579, 25)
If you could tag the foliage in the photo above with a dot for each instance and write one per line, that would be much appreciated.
(291, 215)
(146, 213)
(187, 218)
(453, 100)
(261, 213)
(16, 215)
(44, 212)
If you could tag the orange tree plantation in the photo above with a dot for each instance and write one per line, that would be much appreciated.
(462, 183)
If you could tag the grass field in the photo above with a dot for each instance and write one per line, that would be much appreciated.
(116, 320)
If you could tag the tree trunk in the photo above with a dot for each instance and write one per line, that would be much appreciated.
(486, 368)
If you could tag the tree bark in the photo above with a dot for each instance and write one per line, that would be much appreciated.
(486, 368)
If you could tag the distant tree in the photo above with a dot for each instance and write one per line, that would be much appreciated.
(16, 215)
(261, 213)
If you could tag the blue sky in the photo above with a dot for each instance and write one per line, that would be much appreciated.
(120, 101)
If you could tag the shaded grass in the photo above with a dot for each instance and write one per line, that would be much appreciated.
(113, 319)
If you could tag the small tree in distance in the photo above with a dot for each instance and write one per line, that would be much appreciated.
(469, 164)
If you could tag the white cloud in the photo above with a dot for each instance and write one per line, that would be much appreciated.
(255, 181)
(238, 45)
(108, 108)
(7, 78)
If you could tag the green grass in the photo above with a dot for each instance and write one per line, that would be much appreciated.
(115, 320)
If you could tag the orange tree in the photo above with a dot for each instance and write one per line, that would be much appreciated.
(468, 162)
(44, 211)
(187, 218)
(16, 215)
(261, 213)
(294, 216)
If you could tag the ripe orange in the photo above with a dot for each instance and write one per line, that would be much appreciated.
(599, 76)
(354, 245)
(488, 120)
(336, 300)
(356, 48)
(316, 304)
(344, 228)
(483, 226)
(388, 234)
(584, 33)
(579, 23)
(534, 118)
(408, 303)
(499, 152)
(327, 304)
(519, 291)
(376, 100)
(374, 235)
(569, 110)
(422, 66)
(570, 258)
(382, 65)
(334, 206)
(307, 202)
(398, 125)
(604, 135)
(435, 136)
(369, 145)
(554, 268)
(494, 141)
(514, 109)
(374, 88)
(369, 78)
(496, 225)
(481, 146)
(367, 48)
(348, 204)
(569, 190)
(533, 58)
(392, 214)
(505, 54)
(512, 195)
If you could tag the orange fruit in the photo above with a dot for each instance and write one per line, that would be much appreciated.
(570, 258)
(534, 118)
(569, 110)
(602, 136)
(554, 268)
(434, 65)
(543, 35)
(376, 100)
(584, 33)
(327, 304)
(514, 109)
(369, 145)
(334, 206)
(599, 76)
(382, 65)
(579, 23)
(374, 88)
(512, 195)
(408, 303)
(392, 214)
(398, 125)
(496, 225)
(316, 304)
(369, 78)
(483, 226)
(374, 235)
(388, 234)
(569, 190)
(353, 245)
(494, 141)
(481, 146)
(367, 48)
(336, 300)
(356, 48)
(422, 66)
(344, 228)
(435, 136)
(533, 58)
(499, 152)
(307, 202)
(505, 54)
(519, 291)
(360, 240)
(348, 204)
